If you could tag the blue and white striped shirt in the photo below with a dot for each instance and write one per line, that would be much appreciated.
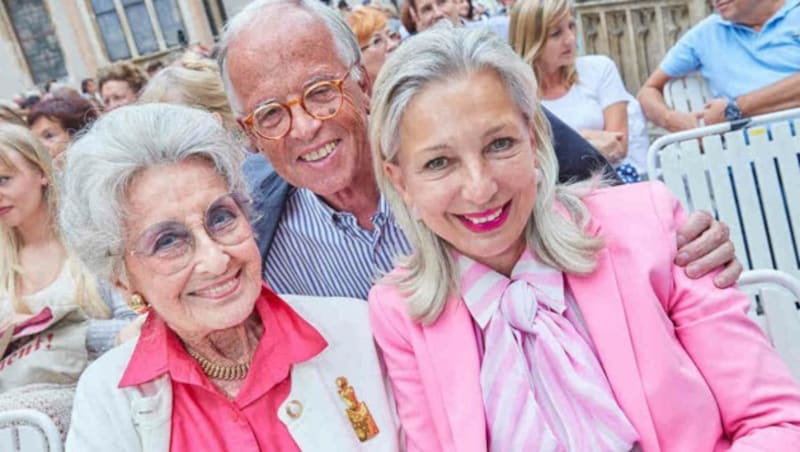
(320, 251)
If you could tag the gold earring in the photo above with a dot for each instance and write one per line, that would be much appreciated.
(137, 304)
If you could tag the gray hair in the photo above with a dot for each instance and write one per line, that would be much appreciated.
(445, 53)
(102, 163)
(343, 38)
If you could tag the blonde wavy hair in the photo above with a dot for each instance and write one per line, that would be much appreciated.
(193, 81)
(530, 24)
(446, 53)
(14, 138)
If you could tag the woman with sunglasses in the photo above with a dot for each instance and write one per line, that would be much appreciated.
(153, 201)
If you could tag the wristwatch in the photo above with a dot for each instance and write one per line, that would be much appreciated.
(732, 110)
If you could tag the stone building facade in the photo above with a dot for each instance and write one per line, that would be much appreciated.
(68, 40)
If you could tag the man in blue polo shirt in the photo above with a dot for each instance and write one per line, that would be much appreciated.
(748, 51)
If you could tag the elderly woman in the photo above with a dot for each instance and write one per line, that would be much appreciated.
(153, 200)
(530, 317)
(119, 84)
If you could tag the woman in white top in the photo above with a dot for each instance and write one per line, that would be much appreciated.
(585, 92)
(36, 270)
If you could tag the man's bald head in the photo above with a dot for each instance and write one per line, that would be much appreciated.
(260, 15)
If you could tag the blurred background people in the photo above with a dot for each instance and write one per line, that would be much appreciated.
(153, 68)
(195, 81)
(57, 119)
(46, 295)
(36, 269)
(89, 91)
(119, 84)
(585, 92)
(376, 40)
(748, 51)
(11, 113)
(407, 20)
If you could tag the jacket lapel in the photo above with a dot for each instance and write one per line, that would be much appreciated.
(454, 353)
(599, 298)
(310, 413)
(151, 412)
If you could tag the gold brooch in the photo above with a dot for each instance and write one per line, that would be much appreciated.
(358, 413)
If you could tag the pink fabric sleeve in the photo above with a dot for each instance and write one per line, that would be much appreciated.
(390, 325)
(759, 401)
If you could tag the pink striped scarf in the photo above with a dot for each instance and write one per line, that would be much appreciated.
(543, 387)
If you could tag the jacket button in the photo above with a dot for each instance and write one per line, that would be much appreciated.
(294, 409)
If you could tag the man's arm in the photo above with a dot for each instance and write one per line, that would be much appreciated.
(577, 159)
(703, 243)
(780, 95)
(652, 101)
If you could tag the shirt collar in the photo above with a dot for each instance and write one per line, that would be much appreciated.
(323, 212)
(287, 339)
(481, 287)
(779, 15)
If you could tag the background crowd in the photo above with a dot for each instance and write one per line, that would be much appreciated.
(161, 209)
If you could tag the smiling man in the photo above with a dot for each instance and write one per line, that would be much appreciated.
(300, 93)
(748, 51)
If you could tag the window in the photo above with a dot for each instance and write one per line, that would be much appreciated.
(31, 22)
(142, 29)
(132, 28)
(111, 29)
(169, 19)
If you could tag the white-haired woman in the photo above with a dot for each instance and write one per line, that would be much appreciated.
(530, 316)
(153, 201)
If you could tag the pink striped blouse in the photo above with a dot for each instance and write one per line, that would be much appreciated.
(543, 386)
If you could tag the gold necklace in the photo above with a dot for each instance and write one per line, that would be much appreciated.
(218, 371)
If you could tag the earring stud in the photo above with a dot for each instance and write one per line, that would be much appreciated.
(137, 304)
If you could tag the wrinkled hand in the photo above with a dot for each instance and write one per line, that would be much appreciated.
(607, 143)
(130, 330)
(677, 121)
(704, 245)
(714, 111)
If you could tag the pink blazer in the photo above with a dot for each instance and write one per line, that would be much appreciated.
(686, 364)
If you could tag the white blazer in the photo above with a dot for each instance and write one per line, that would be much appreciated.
(105, 417)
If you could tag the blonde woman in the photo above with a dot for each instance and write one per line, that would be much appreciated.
(195, 81)
(36, 270)
(585, 92)
(530, 317)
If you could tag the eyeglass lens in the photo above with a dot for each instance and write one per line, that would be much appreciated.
(168, 247)
(321, 100)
